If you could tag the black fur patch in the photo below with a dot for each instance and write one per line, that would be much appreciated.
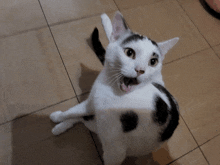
(174, 114)
(129, 121)
(97, 46)
(133, 37)
(90, 117)
(154, 43)
(161, 114)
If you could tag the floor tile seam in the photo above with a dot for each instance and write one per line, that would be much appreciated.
(77, 19)
(186, 56)
(183, 155)
(194, 24)
(52, 24)
(198, 146)
(61, 58)
(129, 8)
(209, 140)
(23, 31)
(100, 157)
(36, 111)
(197, 28)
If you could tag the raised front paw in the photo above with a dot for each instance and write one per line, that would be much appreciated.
(56, 117)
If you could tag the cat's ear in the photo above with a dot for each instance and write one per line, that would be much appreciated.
(165, 46)
(107, 25)
(119, 27)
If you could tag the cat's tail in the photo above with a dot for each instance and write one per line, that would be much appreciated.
(97, 46)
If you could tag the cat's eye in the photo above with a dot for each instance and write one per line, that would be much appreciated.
(153, 62)
(130, 52)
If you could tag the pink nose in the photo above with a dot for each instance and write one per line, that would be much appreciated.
(139, 71)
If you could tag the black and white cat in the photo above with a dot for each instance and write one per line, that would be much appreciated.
(128, 106)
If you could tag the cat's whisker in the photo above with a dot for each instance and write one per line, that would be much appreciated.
(114, 78)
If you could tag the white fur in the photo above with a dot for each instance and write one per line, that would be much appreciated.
(107, 25)
(107, 102)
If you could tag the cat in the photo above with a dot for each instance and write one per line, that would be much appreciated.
(128, 107)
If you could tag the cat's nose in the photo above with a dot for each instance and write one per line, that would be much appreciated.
(139, 71)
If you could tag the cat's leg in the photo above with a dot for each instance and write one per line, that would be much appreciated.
(74, 112)
(63, 126)
(111, 136)
(114, 152)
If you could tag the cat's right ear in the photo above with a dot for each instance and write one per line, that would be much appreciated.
(119, 27)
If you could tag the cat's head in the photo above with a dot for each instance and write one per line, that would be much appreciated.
(131, 59)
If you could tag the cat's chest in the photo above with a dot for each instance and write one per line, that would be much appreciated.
(139, 99)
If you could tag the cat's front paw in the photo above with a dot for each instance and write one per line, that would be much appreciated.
(58, 129)
(56, 117)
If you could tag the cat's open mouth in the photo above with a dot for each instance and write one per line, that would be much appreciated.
(126, 83)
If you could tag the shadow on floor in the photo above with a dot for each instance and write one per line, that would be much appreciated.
(87, 78)
(34, 144)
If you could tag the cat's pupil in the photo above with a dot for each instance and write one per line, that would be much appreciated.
(130, 52)
(153, 61)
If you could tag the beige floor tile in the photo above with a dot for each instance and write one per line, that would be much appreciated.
(32, 74)
(16, 16)
(61, 11)
(194, 81)
(29, 140)
(73, 40)
(180, 143)
(217, 50)
(193, 158)
(125, 4)
(211, 150)
(207, 24)
(165, 20)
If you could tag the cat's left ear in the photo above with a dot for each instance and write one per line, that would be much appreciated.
(165, 46)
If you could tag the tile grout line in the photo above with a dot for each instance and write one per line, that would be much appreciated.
(183, 155)
(195, 140)
(193, 54)
(41, 109)
(197, 28)
(67, 73)
(209, 139)
(100, 157)
(58, 50)
(50, 25)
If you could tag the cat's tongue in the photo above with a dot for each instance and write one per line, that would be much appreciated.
(125, 88)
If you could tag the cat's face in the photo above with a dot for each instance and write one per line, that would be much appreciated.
(134, 60)
(131, 59)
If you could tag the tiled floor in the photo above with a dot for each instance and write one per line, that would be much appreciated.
(47, 64)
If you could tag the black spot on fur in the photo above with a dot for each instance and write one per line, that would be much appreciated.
(97, 46)
(174, 114)
(129, 121)
(90, 117)
(153, 42)
(161, 114)
(133, 37)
